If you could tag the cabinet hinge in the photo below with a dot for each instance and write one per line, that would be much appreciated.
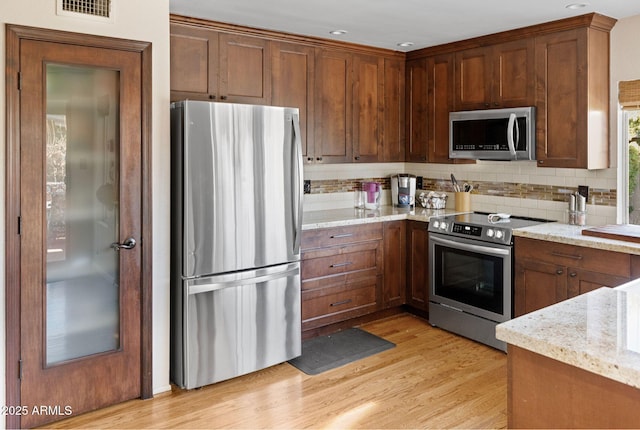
(20, 369)
(19, 225)
(19, 81)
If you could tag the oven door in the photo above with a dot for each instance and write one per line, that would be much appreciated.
(471, 276)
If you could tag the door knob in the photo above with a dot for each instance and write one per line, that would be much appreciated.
(129, 243)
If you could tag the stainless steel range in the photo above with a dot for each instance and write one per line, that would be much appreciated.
(471, 273)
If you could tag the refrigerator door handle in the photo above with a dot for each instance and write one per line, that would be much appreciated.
(234, 281)
(298, 180)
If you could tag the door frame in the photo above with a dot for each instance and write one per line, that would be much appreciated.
(14, 34)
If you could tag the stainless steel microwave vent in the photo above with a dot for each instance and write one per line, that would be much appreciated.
(100, 9)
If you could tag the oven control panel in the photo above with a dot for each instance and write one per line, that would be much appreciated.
(472, 231)
(468, 230)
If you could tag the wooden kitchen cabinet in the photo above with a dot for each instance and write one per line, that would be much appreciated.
(193, 59)
(395, 264)
(549, 272)
(544, 393)
(418, 265)
(359, 113)
(206, 64)
(368, 102)
(440, 103)
(292, 85)
(342, 274)
(333, 108)
(378, 109)
(393, 137)
(416, 100)
(429, 100)
(572, 96)
(495, 76)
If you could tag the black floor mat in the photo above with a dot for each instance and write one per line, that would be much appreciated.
(323, 353)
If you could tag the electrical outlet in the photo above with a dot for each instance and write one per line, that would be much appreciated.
(307, 186)
(583, 190)
(418, 182)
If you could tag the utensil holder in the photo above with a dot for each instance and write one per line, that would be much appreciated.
(463, 201)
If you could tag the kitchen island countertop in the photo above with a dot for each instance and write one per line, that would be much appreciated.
(598, 331)
(352, 216)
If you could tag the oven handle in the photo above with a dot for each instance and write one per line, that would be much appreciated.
(469, 247)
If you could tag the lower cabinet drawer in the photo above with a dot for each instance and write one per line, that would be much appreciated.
(329, 305)
(360, 259)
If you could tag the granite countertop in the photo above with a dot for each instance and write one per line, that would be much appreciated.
(598, 331)
(572, 235)
(351, 216)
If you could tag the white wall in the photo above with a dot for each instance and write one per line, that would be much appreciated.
(144, 20)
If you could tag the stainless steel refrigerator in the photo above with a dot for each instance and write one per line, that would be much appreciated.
(236, 225)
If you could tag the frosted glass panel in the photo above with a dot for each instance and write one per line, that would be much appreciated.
(81, 209)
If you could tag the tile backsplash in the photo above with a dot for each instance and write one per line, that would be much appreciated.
(520, 188)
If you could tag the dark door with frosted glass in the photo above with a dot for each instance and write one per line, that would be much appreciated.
(80, 229)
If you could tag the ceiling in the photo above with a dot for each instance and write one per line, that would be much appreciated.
(385, 23)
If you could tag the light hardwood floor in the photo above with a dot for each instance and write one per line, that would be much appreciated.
(431, 379)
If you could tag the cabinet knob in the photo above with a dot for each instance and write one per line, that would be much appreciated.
(496, 104)
(319, 158)
(573, 274)
(559, 272)
(223, 97)
(357, 157)
(212, 97)
(487, 104)
(309, 158)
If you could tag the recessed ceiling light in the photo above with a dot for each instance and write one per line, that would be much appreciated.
(405, 44)
(338, 32)
(577, 5)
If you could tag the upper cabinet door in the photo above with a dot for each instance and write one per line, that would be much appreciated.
(572, 71)
(495, 76)
(473, 79)
(417, 123)
(292, 85)
(206, 64)
(393, 137)
(244, 72)
(514, 74)
(440, 72)
(368, 91)
(193, 63)
(333, 130)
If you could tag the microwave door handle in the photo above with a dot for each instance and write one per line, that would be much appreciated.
(512, 124)
(517, 143)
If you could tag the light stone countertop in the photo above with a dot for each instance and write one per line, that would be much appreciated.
(598, 331)
(572, 235)
(351, 216)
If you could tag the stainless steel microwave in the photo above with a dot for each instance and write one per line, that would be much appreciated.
(493, 134)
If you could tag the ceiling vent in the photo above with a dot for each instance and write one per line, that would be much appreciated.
(101, 10)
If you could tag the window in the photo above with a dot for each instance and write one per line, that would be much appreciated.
(632, 139)
(629, 170)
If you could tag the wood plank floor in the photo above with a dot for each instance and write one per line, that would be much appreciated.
(431, 379)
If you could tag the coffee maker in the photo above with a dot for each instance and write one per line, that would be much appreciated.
(403, 190)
